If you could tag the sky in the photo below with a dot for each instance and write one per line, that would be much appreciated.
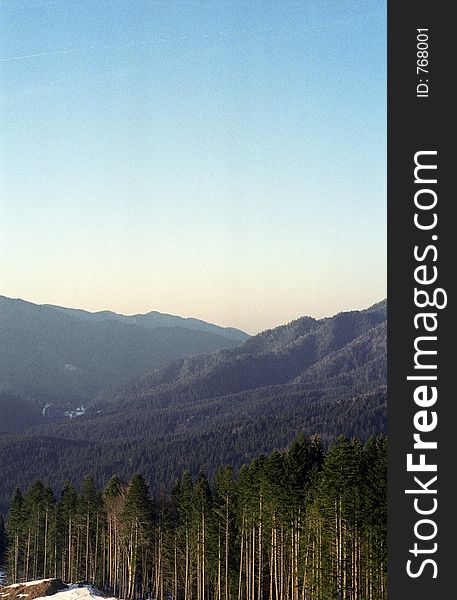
(224, 160)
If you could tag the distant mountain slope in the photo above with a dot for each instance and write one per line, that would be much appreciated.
(154, 320)
(290, 353)
(17, 413)
(361, 361)
(62, 359)
(324, 376)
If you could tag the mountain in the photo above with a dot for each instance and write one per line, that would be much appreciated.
(305, 350)
(18, 413)
(61, 358)
(325, 377)
(154, 320)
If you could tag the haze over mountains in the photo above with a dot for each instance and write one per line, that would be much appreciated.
(60, 358)
(324, 376)
(153, 320)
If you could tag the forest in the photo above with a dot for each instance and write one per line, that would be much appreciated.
(324, 377)
(305, 523)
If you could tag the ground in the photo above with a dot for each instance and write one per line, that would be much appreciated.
(35, 590)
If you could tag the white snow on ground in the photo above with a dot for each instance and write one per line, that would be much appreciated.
(28, 583)
(77, 592)
(45, 408)
(75, 413)
(73, 592)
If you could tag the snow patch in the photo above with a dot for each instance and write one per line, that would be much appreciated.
(45, 408)
(78, 592)
(77, 412)
(73, 591)
(29, 583)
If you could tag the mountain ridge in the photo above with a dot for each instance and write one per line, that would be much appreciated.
(154, 320)
(324, 377)
(59, 358)
(272, 357)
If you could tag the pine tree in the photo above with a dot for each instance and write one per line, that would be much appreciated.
(299, 524)
(49, 534)
(224, 508)
(89, 523)
(66, 532)
(15, 531)
(374, 490)
(202, 523)
(136, 521)
(2, 541)
(113, 500)
(182, 496)
(34, 500)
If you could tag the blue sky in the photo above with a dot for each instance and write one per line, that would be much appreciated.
(223, 160)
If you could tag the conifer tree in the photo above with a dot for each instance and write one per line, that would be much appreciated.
(2, 540)
(15, 531)
(136, 521)
(113, 501)
(224, 507)
(90, 525)
(49, 534)
(182, 496)
(66, 531)
(34, 511)
(298, 524)
(202, 523)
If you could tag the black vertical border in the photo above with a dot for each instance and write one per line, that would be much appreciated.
(416, 124)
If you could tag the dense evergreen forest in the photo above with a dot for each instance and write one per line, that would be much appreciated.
(302, 524)
(324, 377)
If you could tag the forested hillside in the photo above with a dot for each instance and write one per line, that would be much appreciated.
(305, 349)
(297, 524)
(323, 377)
(18, 412)
(61, 358)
